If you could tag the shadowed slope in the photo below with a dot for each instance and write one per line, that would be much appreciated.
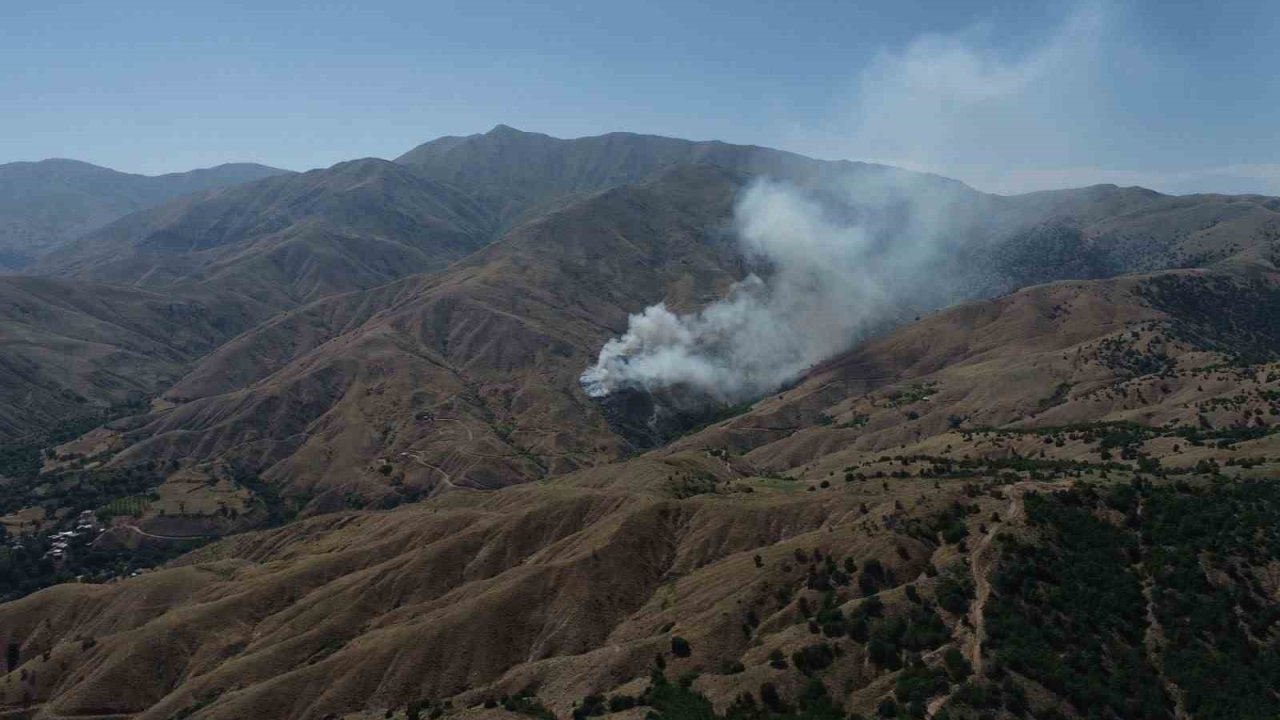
(45, 204)
(289, 239)
(73, 350)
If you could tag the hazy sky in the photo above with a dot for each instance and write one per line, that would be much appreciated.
(1007, 95)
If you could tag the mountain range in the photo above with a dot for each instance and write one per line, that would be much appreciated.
(45, 204)
(357, 390)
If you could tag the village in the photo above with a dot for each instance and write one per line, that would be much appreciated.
(87, 525)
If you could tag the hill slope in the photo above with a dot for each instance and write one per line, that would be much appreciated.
(76, 350)
(287, 239)
(469, 377)
(45, 204)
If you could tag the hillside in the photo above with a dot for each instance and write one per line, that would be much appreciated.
(48, 203)
(466, 378)
(74, 351)
(1104, 230)
(470, 377)
(1095, 231)
(1170, 362)
(288, 239)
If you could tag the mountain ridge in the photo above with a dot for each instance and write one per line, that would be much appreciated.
(265, 235)
(46, 203)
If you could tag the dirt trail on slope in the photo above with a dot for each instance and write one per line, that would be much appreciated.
(447, 480)
(1153, 634)
(980, 568)
(982, 561)
(144, 533)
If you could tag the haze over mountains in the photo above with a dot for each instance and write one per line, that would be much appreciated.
(45, 204)
(352, 363)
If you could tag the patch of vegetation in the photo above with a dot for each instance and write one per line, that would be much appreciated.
(129, 505)
(1208, 550)
(954, 591)
(22, 460)
(1070, 607)
(27, 568)
(1123, 354)
(526, 702)
(1229, 315)
(1069, 612)
(916, 684)
(76, 490)
(856, 420)
(913, 393)
(687, 486)
(678, 701)
(278, 509)
(893, 637)
(1058, 397)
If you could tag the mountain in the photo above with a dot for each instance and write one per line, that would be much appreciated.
(468, 377)
(1105, 230)
(235, 257)
(287, 239)
(73, 351)
(357, 391)
(475, 382)
(1097, 231)
(45, 204)
(525, 172)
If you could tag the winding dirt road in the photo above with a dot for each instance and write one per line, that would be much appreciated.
(980, 566)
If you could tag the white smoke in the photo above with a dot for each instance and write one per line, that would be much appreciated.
(837, 267)
(848, 259)
(962, 105)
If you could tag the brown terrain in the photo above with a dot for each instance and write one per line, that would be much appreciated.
(424, 513)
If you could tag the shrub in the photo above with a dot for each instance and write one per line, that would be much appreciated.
(680, 647)
(957, 666)
(590, 706)
(777, 659)
(618, 703)
(812, 658)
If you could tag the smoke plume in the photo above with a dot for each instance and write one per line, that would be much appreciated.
(851, 257)
(835, 266)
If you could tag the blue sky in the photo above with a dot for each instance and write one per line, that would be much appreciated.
(1008, 96)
